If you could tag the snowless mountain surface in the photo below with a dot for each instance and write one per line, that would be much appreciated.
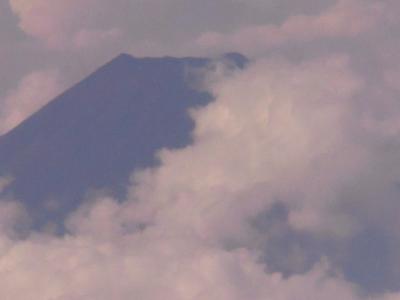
(97, 133)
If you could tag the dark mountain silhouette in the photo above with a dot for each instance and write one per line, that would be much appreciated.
(97, 133)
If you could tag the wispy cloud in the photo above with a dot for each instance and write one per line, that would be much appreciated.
(344, 19)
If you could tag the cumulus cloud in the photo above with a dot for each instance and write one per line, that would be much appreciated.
(148, 267)
(34, 91)
(284, 121)
(277, 132)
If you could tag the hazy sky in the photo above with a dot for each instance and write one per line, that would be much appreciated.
(307, 209)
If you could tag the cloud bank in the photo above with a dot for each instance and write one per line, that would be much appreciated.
(198, 226)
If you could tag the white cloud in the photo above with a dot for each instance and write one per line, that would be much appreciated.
(276, 132)
(148, 267)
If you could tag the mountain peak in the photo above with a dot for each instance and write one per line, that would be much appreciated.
(122, 58)
(98, 132)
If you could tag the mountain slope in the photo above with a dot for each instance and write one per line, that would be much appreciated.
(99, 131)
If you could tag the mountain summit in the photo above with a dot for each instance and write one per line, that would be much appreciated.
(97, 133)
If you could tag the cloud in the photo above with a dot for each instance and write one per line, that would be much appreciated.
(273, 114)
(344, 19)
(150, 264)
(277, 132)
(33, 92)
(64, 24)
(82, 25)
(148, 267)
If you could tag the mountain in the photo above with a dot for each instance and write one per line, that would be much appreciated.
(98, 132)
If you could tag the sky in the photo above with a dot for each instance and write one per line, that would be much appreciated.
(307, 209)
